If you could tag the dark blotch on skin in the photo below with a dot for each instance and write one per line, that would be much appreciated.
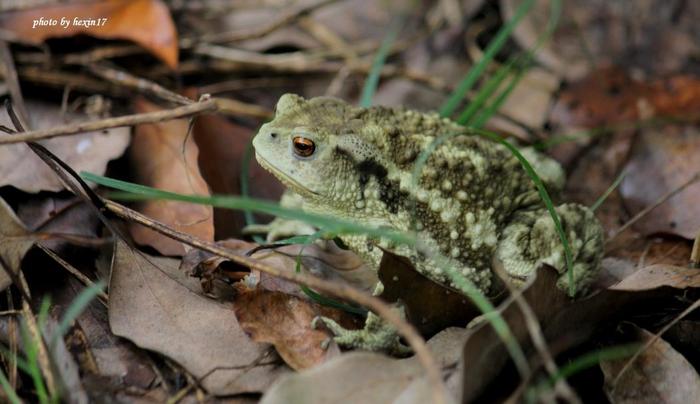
(389, 192)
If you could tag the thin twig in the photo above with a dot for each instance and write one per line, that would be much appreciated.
(316, 62)
(277, 23)
(137, 83)
(208, 105)
(338, 290)
(60, 79)
(656, 204)
(695, 254)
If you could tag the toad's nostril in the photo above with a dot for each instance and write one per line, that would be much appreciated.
(273, 135)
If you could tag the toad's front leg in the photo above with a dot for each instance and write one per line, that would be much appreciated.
(377, 335)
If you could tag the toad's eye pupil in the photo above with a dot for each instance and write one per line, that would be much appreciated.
(303, 147)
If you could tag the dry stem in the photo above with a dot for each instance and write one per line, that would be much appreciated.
(207, 105)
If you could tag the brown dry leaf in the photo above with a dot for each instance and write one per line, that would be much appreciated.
(658, 375)
(165, 157)
(146, 22)
(259, 15)
(608, 95)
(484, 354)
(659, 275)
(363, 377)
(434, 55)
(90, 151)
(359, 377)
(657, 36)
(530, 100)
(285, 321)
(153, 305)
(15, 241)
(594, 172)
(100, 354)
(222, 145)
(563, 321)
(663, 159)
(69, 218)
(430, 306)
(275, 310)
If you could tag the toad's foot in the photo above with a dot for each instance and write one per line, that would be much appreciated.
(377, 335)
(279, 229)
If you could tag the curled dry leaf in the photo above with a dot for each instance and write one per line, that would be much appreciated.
(90, 151)
(145, 22)
(276, 311)
(663, 159)
(659, 375)
(153, 304)
(285, 321)
(15, 241)
(657, 36)
(164, 156)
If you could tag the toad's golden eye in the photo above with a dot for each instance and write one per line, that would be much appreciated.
(303, 147)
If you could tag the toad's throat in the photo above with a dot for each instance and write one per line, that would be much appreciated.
(288, 181)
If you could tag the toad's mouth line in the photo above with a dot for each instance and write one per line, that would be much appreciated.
(283, 177)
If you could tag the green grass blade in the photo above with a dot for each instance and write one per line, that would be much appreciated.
(608, 191)
(12, 396)
(328, 224)
(21, 363)
(521, 65)
(372, 81)
(43, 313)
(591, 359)
(492, 316)
(32, 353)
(544, 195)
(494, 106)
(484, 94)
(475, 72)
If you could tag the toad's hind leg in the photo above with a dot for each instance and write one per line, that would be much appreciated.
(531, 239)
